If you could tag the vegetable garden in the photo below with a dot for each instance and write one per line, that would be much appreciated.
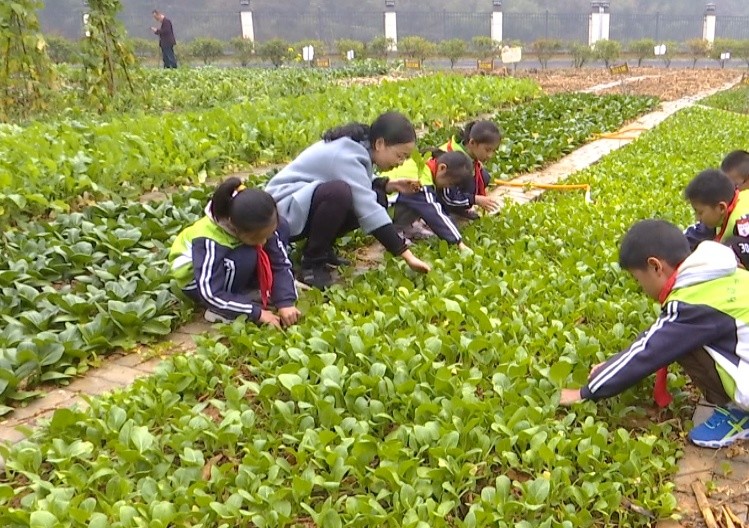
(399, 400)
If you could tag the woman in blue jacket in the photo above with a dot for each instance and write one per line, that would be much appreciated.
(330, 189)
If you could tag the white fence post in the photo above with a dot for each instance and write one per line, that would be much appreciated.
(599, 21)
(391, 25)
(708, 23)
(245, 18)
(497, 21)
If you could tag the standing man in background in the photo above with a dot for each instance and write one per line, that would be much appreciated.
(166, 39)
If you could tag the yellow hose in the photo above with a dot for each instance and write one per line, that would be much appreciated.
(548, 186)
(621, 134)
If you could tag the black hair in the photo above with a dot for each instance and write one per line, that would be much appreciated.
(738, 161)
(393, 127)
(247, 209)
(459, 167)
(481, 132)
(653, 238)
(710, 187)
(156, 12)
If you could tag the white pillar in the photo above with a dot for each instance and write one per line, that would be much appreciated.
(248, 26)
(497, 21)
(391, 24)
(708, 24)
(598, 21)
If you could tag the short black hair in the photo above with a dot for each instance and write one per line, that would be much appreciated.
(482, 132)
(710, 187)
(652, 238)
(738, 161)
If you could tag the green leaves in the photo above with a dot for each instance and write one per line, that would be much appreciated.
(42, 519)
(141, 439)
(129, 154)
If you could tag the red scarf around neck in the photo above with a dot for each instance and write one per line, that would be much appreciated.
(264, 275)
(660, 391)
(478, 173)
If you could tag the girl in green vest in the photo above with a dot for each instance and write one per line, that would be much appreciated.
(479, 140)
(236, 249)
(441, 170)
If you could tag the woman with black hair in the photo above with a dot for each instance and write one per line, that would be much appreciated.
(330, 189)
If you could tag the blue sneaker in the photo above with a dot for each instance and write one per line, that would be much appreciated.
(723, 428)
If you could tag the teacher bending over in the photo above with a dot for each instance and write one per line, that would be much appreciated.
(330, 190)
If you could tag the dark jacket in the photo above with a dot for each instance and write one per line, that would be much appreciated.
(166, 34)
(202, 267)
(703, 310)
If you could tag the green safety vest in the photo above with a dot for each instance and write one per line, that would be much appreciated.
(180, 255)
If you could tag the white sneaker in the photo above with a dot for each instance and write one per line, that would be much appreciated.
(213, 317)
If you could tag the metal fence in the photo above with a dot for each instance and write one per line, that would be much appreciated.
(660, 27)
(732, 27)
(315, 24)
(528, 27)
(443, 25)
(294, 24)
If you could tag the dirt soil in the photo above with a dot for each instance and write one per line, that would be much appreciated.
(668, 85)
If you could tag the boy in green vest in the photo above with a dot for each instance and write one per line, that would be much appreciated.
(703, 326)
(722, 212)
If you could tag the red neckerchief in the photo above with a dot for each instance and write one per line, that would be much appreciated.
(432, 164)
(264, 274)
(660, 391)
(478, 173)
(731, 207)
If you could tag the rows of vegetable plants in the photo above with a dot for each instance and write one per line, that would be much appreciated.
(733, 100)
(47, 165)
(199, 88)
(72, 289)
(416, 401)
(549, 127)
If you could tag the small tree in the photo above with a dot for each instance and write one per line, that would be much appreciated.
(62, 50)
(642, 49)
(276, 50)
(206, 49)
(243, 49)
(453, 50)
(145, 48)
(721, 46)
(607, 51)
(344, 45)
(581, 53)
(379, 46)
(417, 48)
(107, 59)
(484, 47)
(545, 50)
(321, 48)
(672, 49)
(26, 73)
(697, 49)
(742, 50)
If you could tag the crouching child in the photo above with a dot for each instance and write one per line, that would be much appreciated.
(236, 250)
(703, 326)
(442, 170)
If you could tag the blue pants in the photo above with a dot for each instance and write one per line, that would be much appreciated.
(170, 59)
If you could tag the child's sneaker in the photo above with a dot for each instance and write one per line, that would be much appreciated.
(213, 317)
(723, 428)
